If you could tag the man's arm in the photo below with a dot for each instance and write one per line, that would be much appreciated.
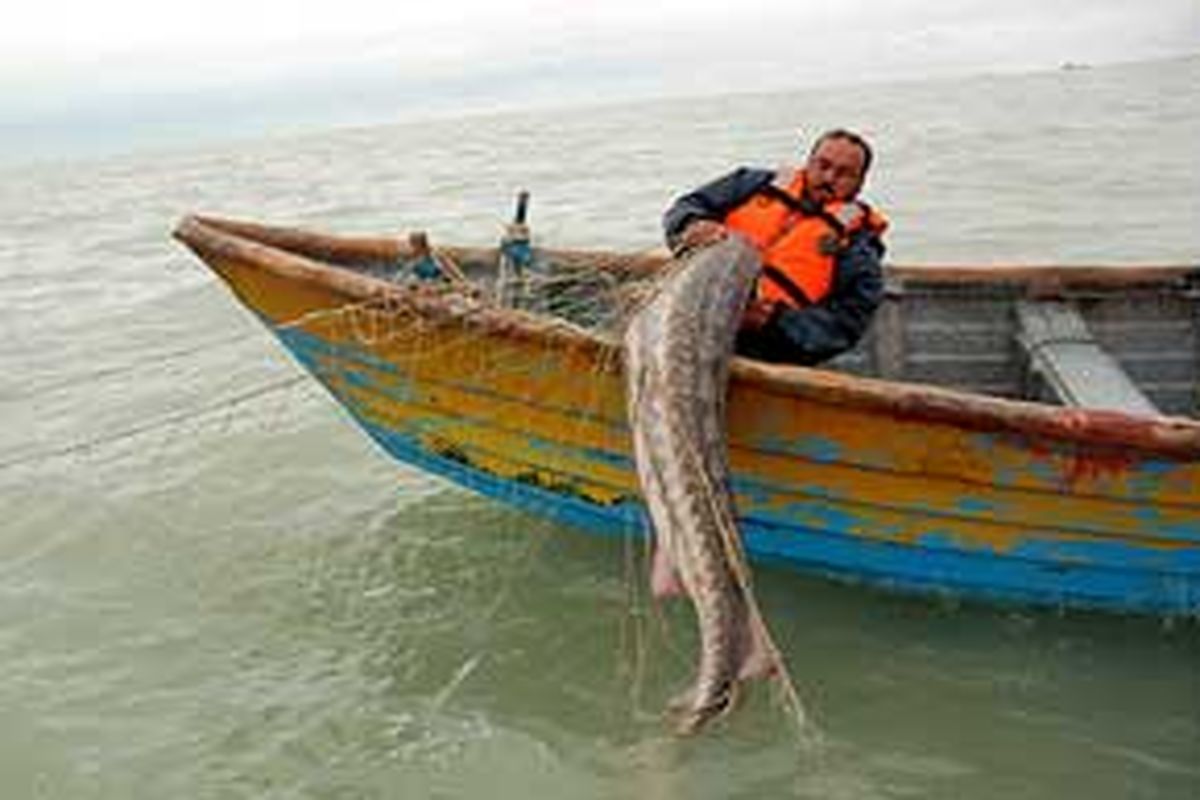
(823, 330)
(713, 200)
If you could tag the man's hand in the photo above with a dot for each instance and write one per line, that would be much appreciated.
(757, 314)
(699, 233)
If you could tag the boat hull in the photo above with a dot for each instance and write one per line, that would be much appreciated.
(831, 474)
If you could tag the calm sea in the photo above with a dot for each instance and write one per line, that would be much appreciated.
(213, 586)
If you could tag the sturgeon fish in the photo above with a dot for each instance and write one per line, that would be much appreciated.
(677, 348)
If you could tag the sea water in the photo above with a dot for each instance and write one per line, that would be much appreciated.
(213, 585)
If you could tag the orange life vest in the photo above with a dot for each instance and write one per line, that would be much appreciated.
(798, 242)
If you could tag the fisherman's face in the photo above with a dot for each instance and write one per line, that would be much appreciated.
(834, 171)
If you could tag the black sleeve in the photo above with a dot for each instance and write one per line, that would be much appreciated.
(823, 330)
(714, 200)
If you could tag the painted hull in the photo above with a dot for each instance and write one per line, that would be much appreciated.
(897, 485)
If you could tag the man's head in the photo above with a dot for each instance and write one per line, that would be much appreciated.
(837, 166)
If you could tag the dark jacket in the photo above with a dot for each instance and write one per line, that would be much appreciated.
(816, 332)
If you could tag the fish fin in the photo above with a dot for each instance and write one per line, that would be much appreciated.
(759, 658)
(687, 718)
(757, 663)
(664, 578)
(682, 701)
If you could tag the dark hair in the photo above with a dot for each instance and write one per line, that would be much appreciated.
(849, 136)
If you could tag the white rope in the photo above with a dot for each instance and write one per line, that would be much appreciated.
(175, 418)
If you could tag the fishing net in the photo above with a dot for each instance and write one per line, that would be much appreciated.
(506, 378)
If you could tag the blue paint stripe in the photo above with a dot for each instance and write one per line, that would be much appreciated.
(1147, 474)
(1085, 574)
(1030, 578)
(308, 348)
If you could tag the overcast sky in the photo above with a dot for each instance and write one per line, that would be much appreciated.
(160, 41)
(60, 56)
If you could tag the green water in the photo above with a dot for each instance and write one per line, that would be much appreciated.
(213, 586)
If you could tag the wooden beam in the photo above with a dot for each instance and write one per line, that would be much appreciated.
(888, 346)
(1049, 277)
(1065, 356)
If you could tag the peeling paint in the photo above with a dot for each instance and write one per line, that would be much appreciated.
(901, 500)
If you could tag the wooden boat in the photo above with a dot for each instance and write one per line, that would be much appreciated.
(1058, 461)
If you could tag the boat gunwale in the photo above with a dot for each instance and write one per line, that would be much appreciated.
(295, 254)
(1041, 279)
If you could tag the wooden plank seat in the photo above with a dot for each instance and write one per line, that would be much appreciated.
(1070, 363)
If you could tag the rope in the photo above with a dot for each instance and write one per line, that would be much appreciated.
(162, 422)
(351, 314)
(108, 372)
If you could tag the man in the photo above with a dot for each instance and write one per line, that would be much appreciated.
(821, 248)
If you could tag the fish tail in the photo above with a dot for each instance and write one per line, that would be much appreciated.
(689, 714)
